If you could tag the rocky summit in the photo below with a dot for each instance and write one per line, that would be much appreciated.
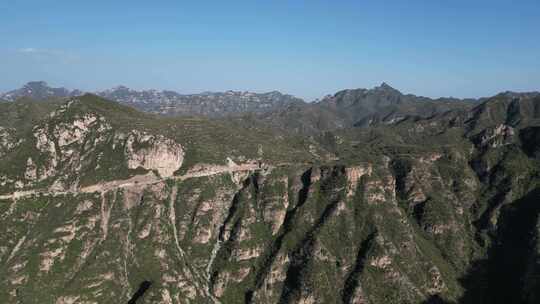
(366, 196)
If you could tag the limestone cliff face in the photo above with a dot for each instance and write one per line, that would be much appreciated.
(65, 146)
(71, 148)
(157, 153)
(8, 141)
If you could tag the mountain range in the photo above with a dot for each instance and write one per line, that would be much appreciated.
(365, 196)
(210, 104)
(355, 107)
(382, 102)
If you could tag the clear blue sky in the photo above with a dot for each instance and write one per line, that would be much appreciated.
(308, 48)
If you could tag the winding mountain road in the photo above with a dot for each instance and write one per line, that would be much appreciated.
(139, 181)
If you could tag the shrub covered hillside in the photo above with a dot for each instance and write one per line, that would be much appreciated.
(100, 203)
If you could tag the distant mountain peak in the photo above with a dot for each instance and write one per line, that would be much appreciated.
(385, 87)
(36, 84)
(38, 90)
(120, 88)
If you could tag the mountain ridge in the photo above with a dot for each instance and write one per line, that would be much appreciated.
(382, 104)
(167, 102)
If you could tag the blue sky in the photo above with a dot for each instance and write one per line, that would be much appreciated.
(306, 48)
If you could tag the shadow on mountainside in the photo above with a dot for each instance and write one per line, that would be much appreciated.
(140, 292)
(499, 277)
(435, 299)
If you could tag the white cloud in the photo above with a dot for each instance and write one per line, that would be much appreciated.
(29, 50)
(50, 52)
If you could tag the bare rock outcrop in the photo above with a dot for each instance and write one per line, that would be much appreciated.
(153, 152)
